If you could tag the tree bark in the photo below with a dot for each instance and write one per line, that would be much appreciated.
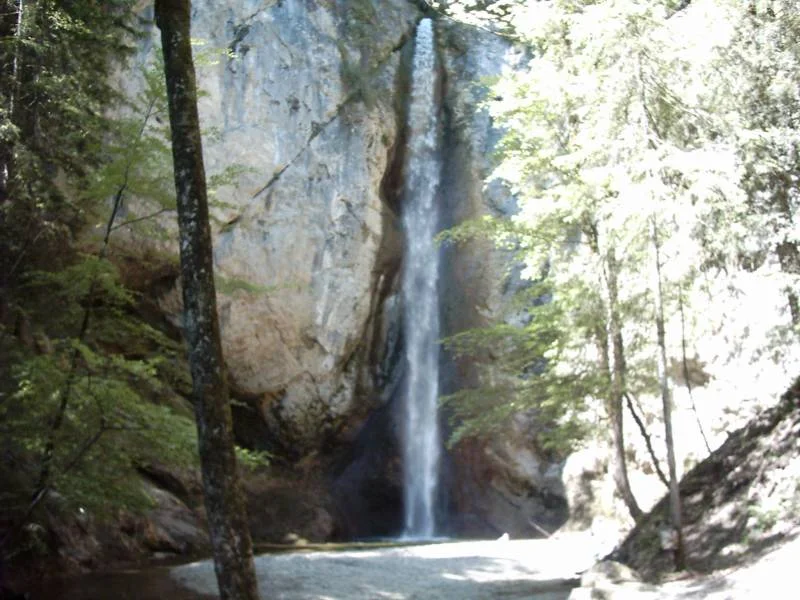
(647, 441)
(687, 375)
(617, 392)
(787, 251)
(674, 490)
(610, 345)
(227, 521)
(789, 259)
(11, 13)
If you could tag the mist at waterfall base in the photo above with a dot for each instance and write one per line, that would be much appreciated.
(421, 438)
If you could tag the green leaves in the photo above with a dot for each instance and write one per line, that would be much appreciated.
(55, 93)
(108, 428)
(519, 370)
(629, 112)
(113, 376)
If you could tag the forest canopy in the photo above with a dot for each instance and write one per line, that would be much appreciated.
(650, 145)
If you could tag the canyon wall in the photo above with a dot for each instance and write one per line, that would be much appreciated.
(308, 99)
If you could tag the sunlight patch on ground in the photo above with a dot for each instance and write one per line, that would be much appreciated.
(543, 569)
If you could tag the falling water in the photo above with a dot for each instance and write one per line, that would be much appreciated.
(421, 439)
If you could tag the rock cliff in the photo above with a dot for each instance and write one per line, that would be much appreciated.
(304, 102)
(308, 100)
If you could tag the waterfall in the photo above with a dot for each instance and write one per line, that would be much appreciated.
(420, 274)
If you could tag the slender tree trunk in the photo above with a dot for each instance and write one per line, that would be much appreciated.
(11, 32)
(15, 65)
(610, 344)
(674, 491)
(687, 375)
(617, 394)
(789, 259)
(648, 442)
(787, 250)
(227, 521)
(619, 467)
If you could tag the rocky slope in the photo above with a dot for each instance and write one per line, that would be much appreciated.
(741, 499)
(740, 514)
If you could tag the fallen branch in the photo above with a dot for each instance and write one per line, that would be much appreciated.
(539, 528)
(647, 440)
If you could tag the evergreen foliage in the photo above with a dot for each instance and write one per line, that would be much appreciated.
(634, 115)
(89, 391)
(54, 95)
(517, 370)
(86, 384)
(83, 406)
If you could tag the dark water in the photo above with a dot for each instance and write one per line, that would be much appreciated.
(148, 584)
(154, 583)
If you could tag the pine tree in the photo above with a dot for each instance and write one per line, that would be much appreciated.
(54, 59)
(629, 114)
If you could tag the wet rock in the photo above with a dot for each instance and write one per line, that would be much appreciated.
(281, 507)
(505, 487)
(173, 527)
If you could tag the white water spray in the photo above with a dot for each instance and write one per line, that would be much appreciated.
(420, 274)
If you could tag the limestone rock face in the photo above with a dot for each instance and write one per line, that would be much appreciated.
(300, 96)
(505, 486)
(307, 99)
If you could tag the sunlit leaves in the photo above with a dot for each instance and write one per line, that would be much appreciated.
(632, 110)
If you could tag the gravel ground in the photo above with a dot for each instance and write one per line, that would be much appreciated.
(535, 569)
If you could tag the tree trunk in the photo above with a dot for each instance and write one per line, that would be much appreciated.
(687, 376)
(789, 258)
(674, 491)
(617, 392)
(227, 521)
(11, 32)
(787, 250)
(610, 344)
(647, 441)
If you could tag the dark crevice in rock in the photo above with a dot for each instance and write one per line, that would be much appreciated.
(250, 429)
(239, 34)
(367, 486)
(164, 478)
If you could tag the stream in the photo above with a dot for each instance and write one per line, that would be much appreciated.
(153, 583)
